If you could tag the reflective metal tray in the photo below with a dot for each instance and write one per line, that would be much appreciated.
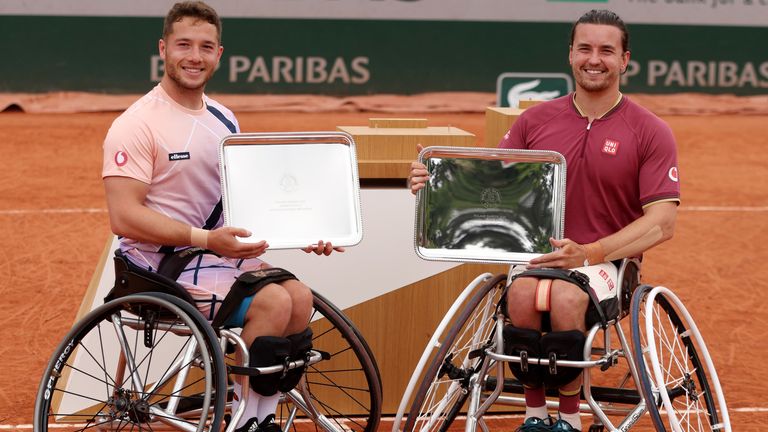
(292, 189)
(489, 205)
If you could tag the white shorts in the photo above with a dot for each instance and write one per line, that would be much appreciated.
(207, 277)
(603, 278)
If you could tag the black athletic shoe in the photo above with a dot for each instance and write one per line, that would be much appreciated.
(269, 425)
(535, 424)
(252, 425)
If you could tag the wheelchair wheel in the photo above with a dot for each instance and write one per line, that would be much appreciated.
(344, 392)
(140, 362)
(444, 388)
(676, 371)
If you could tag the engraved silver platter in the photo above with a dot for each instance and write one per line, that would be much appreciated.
(292, 189)
(489, 205)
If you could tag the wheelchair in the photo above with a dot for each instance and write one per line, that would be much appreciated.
(658, 361)
(149, 360)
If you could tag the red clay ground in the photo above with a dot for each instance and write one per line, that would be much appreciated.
(53, 226)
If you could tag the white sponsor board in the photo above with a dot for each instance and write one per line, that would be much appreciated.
(686, 12)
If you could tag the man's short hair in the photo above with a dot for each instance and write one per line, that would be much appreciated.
(194, 9)
(604, 17)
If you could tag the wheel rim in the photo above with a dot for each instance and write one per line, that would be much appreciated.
(678, 379)
(87, 385)
(344, 390)
(445, 388)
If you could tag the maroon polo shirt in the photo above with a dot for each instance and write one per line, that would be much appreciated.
(615, 166)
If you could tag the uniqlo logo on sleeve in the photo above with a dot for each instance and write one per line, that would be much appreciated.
(610, 147)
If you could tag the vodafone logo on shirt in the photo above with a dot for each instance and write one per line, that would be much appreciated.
(121, 158)
(610, 147)
(673, 174)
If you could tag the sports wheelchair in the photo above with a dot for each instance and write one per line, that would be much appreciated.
(665, 371)
(149, 360)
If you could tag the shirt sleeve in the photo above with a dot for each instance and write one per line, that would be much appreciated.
(129, 150)
(515, 136)
(659, 176)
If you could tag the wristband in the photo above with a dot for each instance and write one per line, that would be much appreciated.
(595, 253)
(198, 237)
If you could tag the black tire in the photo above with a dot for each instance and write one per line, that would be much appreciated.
(688, 382)
(443, 390)
(103, 399)
(345, 389)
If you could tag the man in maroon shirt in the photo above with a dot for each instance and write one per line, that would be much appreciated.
(621, 200)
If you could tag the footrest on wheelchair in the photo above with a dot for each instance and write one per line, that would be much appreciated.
(315, 357)
(600, 394)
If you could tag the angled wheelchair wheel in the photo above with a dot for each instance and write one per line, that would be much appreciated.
(342, 393)
(444, 387)
(678, 378)
(140, 362)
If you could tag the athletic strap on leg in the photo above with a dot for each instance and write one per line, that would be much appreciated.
(301, 344)
(524, 343)
(268, 351)
(246, 285)
(562, 345)
(542, 299)
(577, 278)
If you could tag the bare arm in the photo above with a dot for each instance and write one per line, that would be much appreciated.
(130, 217)
(656, 226)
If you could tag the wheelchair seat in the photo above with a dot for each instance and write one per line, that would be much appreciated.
(132, 279)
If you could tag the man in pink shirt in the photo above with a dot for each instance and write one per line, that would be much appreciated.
(621, 199)
(162, 183)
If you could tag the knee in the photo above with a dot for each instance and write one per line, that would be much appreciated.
(301, 299)
(272, 303)
(520, 300)
(569, 305)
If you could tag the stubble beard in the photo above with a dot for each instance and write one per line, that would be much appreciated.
(173, 73)
(607, 82)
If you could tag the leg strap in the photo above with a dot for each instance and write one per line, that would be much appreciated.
(301, 344)
(543, 295)
(577, 278)
(246, 285)
(562, 345)
(524, 343)
(268, 351)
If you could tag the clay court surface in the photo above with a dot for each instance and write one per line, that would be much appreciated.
(53, 227)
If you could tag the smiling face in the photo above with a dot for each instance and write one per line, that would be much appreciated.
(597, 57)
(191, 52)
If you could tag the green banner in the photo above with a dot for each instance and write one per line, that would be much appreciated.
(351, 57)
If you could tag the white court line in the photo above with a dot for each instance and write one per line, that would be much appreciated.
(723, 209)
(384, 419)
(14, 212)
(52, 211)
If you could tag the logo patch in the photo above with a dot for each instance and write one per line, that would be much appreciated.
(610, 147)
(178, 156)
(513, 87)
(121, 158)
(673, 174)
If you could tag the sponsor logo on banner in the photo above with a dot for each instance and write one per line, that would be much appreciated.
(512, 87)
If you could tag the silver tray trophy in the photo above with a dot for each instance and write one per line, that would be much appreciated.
(489, 205)
(292, 189)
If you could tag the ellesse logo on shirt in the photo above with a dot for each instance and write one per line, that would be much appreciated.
(178, 156)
